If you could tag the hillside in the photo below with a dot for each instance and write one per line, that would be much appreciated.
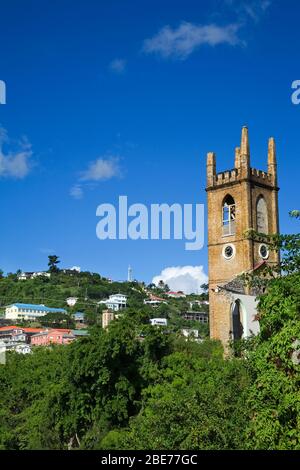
(90, 288)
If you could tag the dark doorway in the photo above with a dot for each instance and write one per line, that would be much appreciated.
(237, 327)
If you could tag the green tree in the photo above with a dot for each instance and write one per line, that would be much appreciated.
(53, 262)
(273, 356)
(196, 403)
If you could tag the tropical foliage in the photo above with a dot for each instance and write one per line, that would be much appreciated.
(134, 386)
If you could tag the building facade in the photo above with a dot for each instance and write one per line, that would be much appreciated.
(107, 317)
(240, 201)
(159, 321)
(20, 311)
(115, 302)
(52, 336)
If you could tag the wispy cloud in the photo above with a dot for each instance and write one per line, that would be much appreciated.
(15, 158)
(182, 41)
(118, 66)
(47, 251)
(250, 9)
(102, 169)
(76, 191)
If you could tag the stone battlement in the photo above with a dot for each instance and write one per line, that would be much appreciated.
(257, 175)
(242, 170)
(226, 176)
(231, 176)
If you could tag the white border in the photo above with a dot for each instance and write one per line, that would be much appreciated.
(233, 251)
(268, 251)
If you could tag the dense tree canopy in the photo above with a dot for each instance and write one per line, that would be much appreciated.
(135, 386)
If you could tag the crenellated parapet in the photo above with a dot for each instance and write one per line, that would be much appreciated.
(259, 176)
(242, 170)
(229, 176)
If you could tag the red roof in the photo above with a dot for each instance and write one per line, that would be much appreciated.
(32, 330)
(153, 297)
(259, 265)
(14, 327)
(4, 328)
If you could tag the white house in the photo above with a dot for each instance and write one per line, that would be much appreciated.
(32, 275)
(199, 303)
(176, 295)
(71, 301)
(159, 321)
(41, 274)
(115, 302)
(154, 300)
(9, 346)
(23, 349)
(187, 332)
(24, 276)
(19, 311)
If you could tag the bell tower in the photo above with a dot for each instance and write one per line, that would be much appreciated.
(238, 200)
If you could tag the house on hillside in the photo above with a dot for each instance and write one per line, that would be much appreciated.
(176, 295)
(71, 301)
(32, 275)
(154, 300)
(159, 321)
(190, 333)
(6, 346)
(201, 317)
(107, 318)
(79, 318)
(79, 333)
(198, 303)
(25, 276)
(52, 336)
(20, 311)
(16, 334)
(23, 348)
(115, 302)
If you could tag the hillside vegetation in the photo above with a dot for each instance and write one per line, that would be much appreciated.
(89, 288)
(135, 386)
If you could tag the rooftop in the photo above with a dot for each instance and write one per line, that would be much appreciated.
(42, 308)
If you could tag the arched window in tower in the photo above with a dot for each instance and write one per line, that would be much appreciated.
(261, 216)
(228, 216)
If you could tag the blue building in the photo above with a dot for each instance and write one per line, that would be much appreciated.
(20, 311)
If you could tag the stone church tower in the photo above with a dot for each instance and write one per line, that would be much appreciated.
(239, 200)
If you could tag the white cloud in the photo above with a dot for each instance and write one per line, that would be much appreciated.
(76, 268)
(182, 41)
(14, 163)
(185, 278)
(102, 169)
(118, 65)
(253, 9)
(76, 191)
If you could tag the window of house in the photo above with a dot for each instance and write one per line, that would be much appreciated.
(228, 216)
(261, 216)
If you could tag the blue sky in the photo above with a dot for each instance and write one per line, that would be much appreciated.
(109, 98)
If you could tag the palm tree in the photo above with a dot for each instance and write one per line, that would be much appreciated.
(52, 263)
